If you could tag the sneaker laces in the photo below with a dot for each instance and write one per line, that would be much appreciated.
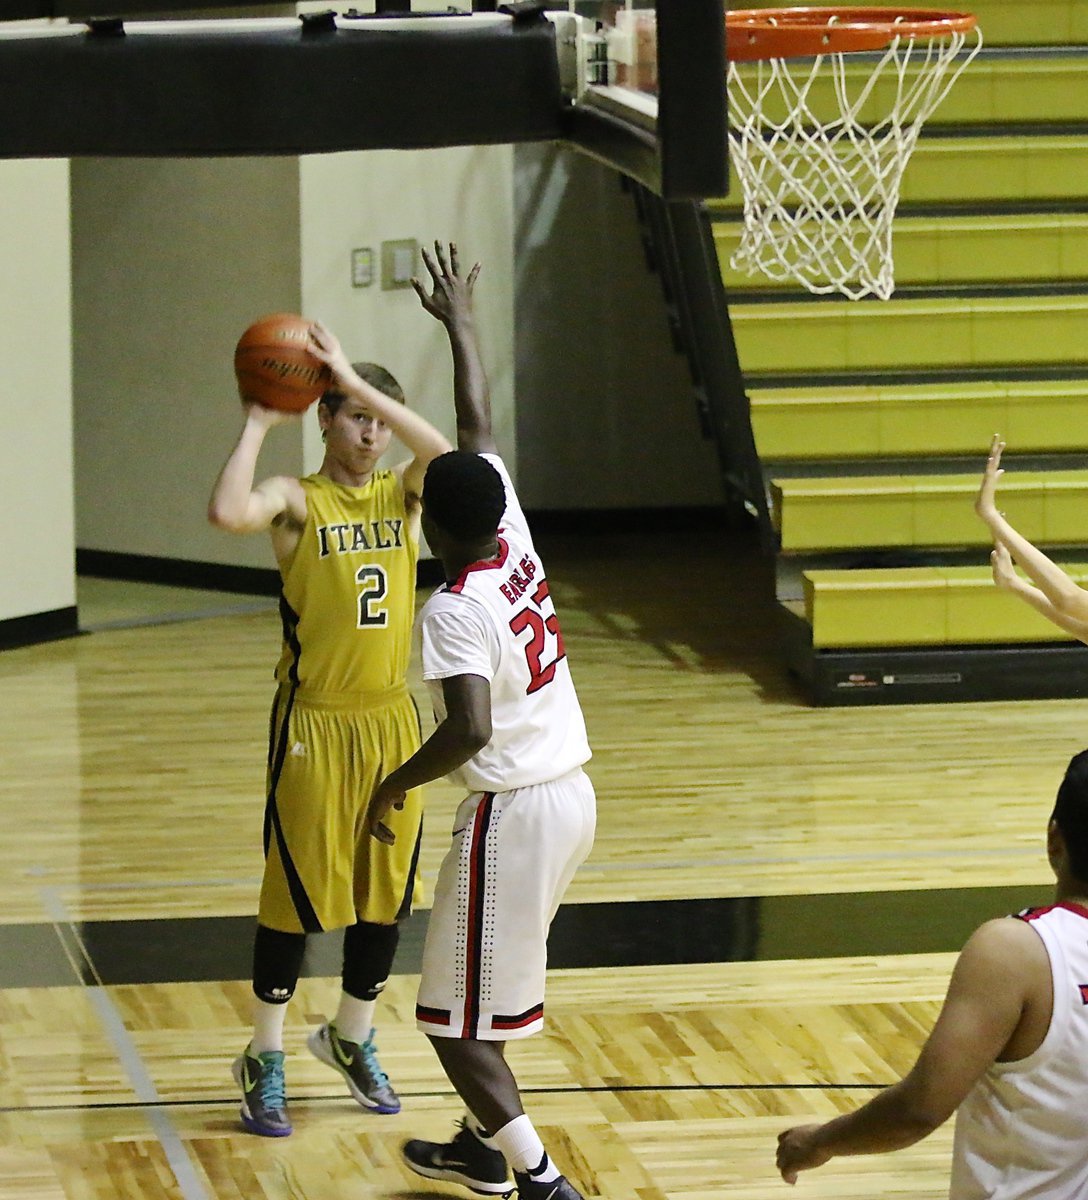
(467, 1137)
(272, 1087)
(369, 1052)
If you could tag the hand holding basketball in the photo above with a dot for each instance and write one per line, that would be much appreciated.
(325, 346)
(267, 418)
(275, 367)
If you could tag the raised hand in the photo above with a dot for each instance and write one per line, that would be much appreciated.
(266, 418)
(450, 298)
(325, 345)
(986, 500)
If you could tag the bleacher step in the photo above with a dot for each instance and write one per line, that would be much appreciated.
(836, 422)
(936, 332)
(884, 511)
(955, 250)
(921, 606)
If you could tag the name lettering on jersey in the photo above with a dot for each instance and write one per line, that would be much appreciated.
(350, 538)
(1083, 992)
(519, 580)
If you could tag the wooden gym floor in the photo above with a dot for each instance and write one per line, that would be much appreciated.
(761, 937)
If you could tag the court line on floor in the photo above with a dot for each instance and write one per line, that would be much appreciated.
(149, 1101)
(217, 1102)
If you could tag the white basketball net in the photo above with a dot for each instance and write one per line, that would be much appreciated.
(820, 188)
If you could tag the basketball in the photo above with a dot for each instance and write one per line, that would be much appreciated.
(274, 366)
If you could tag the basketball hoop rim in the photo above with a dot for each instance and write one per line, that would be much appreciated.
(755, 34)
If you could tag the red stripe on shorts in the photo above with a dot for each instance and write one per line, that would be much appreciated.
(477, 898)
(521, 1020)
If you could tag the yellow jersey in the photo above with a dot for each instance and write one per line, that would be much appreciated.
(349, 590)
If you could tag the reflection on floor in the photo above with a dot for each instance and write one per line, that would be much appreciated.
(116, 604)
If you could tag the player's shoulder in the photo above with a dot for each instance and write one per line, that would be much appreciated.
(288, 491)
(1003, 961)
(995, 940)
(293, 483)
(446, 605)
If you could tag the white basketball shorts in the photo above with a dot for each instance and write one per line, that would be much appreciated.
(512, 857)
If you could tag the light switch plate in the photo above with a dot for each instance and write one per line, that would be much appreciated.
(399, 260)
(362, 267)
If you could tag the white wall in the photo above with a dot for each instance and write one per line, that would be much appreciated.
(353, 201)
(36, 535)
(605, 411)
(172, 259)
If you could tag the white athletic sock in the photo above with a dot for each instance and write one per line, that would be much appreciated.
(354, 1018)
(268, 1022)
(524, 1151)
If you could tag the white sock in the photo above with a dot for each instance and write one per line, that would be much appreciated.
(354, 1018)
(524, 1151)
(268, 1022)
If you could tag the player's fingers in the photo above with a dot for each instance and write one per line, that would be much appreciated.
(428, 262)
(472, 276)
(440, 256)
(455, 265)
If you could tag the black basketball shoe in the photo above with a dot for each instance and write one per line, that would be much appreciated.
(464, 1160)
(555, 1189)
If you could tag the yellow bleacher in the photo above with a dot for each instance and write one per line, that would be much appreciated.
(854, 405)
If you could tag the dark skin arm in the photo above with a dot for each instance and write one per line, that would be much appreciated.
(986, 1006)
(450, 302)
(465, 730)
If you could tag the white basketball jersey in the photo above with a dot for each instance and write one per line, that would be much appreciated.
(1022, 1132)
(497, 620)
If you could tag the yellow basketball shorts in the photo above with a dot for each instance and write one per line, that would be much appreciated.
(323, 870)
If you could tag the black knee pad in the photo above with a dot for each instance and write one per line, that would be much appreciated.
(277, 961)
(368, 958)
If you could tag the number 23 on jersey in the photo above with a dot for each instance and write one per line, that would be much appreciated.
(544, 649)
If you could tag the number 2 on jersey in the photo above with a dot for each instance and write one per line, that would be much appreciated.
(544, 629)
(374, 585)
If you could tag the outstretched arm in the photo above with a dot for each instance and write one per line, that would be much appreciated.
(984, 1006)
(1055, 595)
(450, 301)
(465, 729)
(417, 433)
(236, 504)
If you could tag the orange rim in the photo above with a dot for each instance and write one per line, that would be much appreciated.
(762, 33)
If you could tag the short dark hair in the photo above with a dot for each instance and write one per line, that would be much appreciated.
(1071, 814)
(464, 495)
(377, 376)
